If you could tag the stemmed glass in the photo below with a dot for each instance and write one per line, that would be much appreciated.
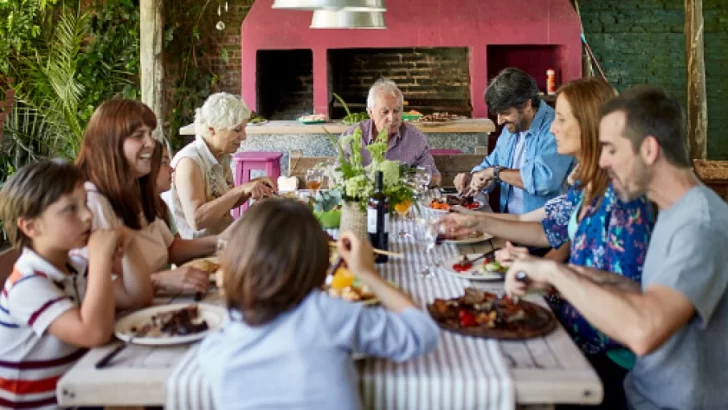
(430, 227)
(314, 179)
(423, 177)
(402, 210)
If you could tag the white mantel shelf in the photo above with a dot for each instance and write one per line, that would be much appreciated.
(471, 125)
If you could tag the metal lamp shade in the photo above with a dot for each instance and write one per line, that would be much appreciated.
(347, 19)
(333, 5)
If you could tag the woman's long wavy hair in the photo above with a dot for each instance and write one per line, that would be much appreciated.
(586, 97)
(102, 160)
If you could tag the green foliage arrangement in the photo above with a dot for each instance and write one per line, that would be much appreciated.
(357, 181)
(64, 62)
(351, 119)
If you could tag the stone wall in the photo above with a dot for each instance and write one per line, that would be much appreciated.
(642, 42)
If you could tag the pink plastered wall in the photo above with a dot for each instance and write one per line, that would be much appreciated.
(476, 24)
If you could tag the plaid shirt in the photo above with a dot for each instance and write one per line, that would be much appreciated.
(408, 145)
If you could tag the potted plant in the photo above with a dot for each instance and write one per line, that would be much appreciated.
(351, 118)
(355, 181)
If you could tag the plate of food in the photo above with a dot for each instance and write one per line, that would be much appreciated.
(467, 239)
(484, 314)
(471, 267)
(312, 119)
(173, 324)
(437, 119)
(257, 121)
(444, 204)
(343, 284)
(210, 265)
(411, 115)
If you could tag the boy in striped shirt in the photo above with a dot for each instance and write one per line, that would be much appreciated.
(44, 325)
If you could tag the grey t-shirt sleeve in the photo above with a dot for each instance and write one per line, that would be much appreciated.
(695, 265)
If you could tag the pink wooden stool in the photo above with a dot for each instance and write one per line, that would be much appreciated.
(250, 160)
(445, 151)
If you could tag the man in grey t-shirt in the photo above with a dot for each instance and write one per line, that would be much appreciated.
(677, 320)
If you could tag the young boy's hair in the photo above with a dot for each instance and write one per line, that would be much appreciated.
(28, 192)
(274, 257)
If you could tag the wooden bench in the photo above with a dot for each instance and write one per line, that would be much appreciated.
(713, 174)
(448, 165)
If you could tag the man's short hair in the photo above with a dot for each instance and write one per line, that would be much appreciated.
(383, 86)
(511, 88)
(650, 111)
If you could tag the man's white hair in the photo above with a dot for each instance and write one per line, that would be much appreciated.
(220, 111)
(380, 87)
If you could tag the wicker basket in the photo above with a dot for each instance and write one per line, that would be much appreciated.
(353, 219)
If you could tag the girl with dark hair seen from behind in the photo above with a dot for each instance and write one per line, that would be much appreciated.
(605, 232)
(116, 159)
(282, 323)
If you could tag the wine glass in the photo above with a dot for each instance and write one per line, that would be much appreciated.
(402, 210)
(314, 179)
(423, 177)
(430, 228)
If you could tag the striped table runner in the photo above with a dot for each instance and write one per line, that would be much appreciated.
(463, 373)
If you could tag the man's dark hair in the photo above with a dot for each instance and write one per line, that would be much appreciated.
(511, 88)
(650, 111)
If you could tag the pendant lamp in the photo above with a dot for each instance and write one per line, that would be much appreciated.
(347, 19)
(337, 5)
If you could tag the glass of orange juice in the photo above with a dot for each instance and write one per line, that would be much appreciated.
(402, 210)
(314, 179)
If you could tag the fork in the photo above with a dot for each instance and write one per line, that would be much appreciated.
(523, 278)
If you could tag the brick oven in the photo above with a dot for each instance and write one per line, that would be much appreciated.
(440, 53)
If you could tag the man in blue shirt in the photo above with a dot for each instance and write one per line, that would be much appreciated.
(524, 162)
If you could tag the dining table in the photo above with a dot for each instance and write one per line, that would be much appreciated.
(464, 372)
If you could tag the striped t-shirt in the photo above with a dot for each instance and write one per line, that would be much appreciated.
(31, 361)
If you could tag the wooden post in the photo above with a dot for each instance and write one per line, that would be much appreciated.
(697, 118)
(151, 62)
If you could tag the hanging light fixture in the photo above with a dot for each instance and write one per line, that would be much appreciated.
(348, 19)
(332, 5)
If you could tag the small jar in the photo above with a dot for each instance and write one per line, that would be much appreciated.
(550, 82)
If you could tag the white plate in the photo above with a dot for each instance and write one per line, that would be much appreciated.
(213, 315)
(468, 241)
(473, 273)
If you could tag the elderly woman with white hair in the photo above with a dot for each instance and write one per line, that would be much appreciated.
(406, 143)
(202, 193)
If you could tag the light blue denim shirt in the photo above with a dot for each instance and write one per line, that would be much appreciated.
(302, 359)
(543, 172)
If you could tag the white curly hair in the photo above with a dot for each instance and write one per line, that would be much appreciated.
(221, 111)
(383, 86)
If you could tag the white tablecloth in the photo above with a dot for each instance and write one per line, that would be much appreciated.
(463, 373)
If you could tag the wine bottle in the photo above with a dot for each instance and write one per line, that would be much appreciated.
(378, 219)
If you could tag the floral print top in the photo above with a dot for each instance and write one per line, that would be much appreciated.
(612, 236)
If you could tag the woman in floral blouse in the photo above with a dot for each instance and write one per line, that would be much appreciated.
(605, 233)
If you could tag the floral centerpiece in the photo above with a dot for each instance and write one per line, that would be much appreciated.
(356, 181)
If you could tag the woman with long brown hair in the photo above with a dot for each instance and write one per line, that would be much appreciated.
(116, 158)
(605, 233)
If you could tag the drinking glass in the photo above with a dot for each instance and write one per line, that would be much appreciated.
(423, 177)
(314, 179)
(402, 210)
(430, 228)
